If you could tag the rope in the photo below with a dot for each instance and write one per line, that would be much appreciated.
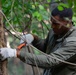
(35, 47)
(69, 63)
(34, 60)
(18, 35)
(61, 24)
(31, 50)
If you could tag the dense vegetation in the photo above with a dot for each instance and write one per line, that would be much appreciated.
(29, 16)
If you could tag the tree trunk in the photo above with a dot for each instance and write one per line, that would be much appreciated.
(3, 67)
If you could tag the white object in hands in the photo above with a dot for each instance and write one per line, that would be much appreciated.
(8, 53)
(28, 38)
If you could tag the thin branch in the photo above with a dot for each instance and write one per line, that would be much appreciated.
(11, 33)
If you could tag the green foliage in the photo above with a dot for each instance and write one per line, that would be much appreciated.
(28, 14)
(61, 6)
(37, 15)
(22, 14)
(48, 0)
(70, 2)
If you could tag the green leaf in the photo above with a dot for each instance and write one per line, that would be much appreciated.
(41, 7)
(33, 6)
(60, 8)
(35, 14)
(64, 5)
(39, 18)
(48, 0)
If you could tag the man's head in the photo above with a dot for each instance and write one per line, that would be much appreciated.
(61, 18)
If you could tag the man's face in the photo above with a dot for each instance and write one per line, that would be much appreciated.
(59, 25)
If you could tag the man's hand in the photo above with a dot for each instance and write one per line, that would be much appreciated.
(7, 52)
(28, 38)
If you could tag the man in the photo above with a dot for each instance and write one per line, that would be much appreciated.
(59, 44)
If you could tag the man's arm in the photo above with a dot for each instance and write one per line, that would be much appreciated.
(64, 53)
(41, 44)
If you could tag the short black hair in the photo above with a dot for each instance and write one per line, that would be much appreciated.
(66, 12)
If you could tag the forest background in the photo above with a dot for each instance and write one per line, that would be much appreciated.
(32, 16)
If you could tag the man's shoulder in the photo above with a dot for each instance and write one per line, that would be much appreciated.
(73, 31)
(74, 27)
(72, 36)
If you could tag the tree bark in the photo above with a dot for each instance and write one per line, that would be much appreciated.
(3, 67)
